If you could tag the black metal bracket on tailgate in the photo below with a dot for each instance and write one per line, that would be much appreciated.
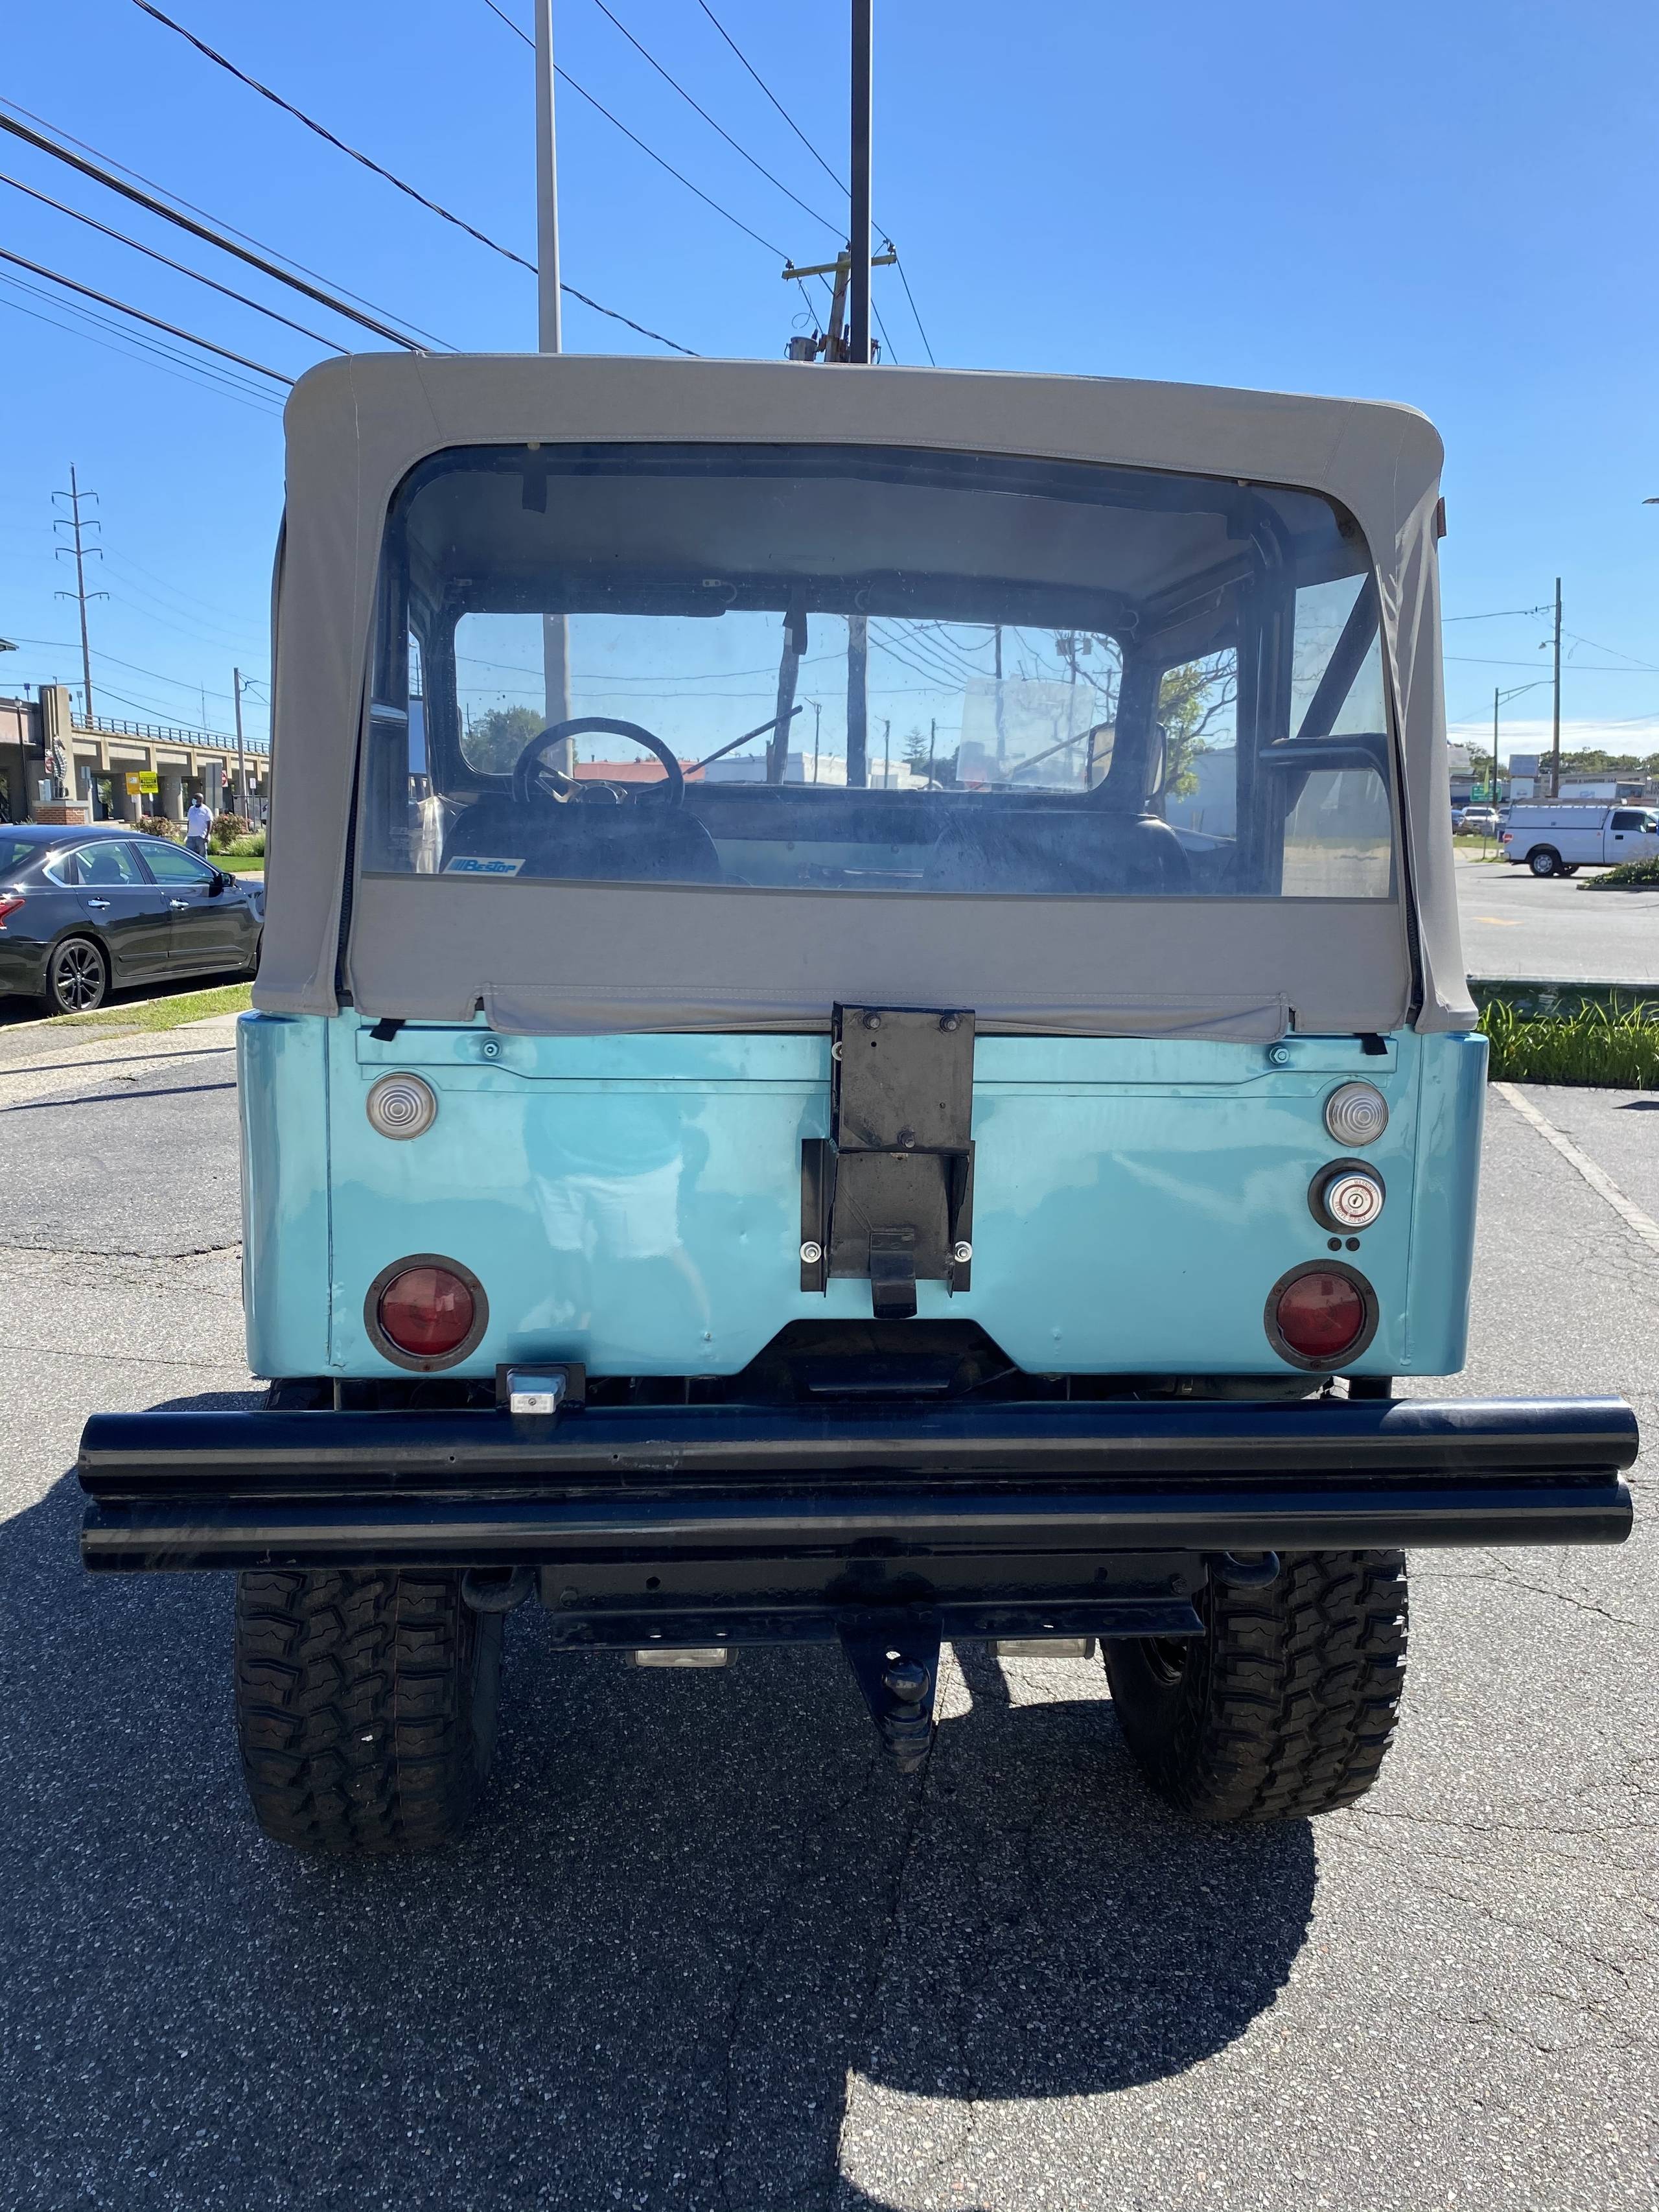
(889, 1195)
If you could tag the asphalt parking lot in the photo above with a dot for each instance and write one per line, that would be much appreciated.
(702, 1950)
(1516, 924)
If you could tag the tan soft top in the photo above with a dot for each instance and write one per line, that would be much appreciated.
(695, 956)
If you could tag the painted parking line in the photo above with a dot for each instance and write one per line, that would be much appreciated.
(1603, 1185)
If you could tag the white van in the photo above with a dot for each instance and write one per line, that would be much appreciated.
(1555, 837)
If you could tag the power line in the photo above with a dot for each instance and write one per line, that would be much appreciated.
(322, 131)
(225, 380)
(178, 683)
(1579, 667)
(834, 227)
(1498, 614)
(818, 157)
(1646, 666)
(771, 95)
(231, 625)
(914, 310)
(583, 93)
(136, 347)
(138, 247)
(420, 197)
(154, 321)
(103, 176)
(178, 200)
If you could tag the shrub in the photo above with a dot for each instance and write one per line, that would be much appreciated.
(226, 829)
(250, 847)
(157, 825)
(1628, 875)
(1616, 1048)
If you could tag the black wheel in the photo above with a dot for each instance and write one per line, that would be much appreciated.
(1286, 1705)
(1545, 861)
(77, 976)
(366, 1707)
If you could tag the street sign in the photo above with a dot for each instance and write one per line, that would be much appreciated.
(141, 780)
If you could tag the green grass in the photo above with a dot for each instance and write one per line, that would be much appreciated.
(1629, 875)
(1615, 1047)
(239, 864)
(161, 1013)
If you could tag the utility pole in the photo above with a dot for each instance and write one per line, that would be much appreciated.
(818, 727)
(863, 36)
(858, 701)
(241, 753)
(1494, 744)
(887, 755)
(550, 338)
(833, 344)
(73, 522)
(1555, 726)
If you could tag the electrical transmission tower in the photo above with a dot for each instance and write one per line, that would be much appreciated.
(78, 524)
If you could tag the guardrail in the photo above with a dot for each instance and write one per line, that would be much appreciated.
(166, 733)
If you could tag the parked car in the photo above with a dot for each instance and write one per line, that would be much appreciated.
(1484, 819)
(1556, 838)
(84, 912)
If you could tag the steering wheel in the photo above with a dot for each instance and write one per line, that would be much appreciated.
(536, 781)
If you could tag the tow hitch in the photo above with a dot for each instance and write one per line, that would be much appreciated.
(895, 1657)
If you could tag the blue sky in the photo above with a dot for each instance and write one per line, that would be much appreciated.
(1449, 205)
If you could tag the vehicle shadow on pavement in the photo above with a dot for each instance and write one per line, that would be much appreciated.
(697, 1911)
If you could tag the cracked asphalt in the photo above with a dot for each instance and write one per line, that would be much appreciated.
(702, 1951)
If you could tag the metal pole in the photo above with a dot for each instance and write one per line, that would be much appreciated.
(550, 338)
(858, 701)
(241, 752)
(859, 341)
(1555, 736)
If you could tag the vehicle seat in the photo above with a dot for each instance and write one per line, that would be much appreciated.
(1069, 847)
(630, 844)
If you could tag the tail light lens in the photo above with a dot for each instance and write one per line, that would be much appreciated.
(11, 903)
(426, 1312)
(1319, 1317)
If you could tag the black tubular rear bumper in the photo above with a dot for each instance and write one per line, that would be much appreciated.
(608, 1488)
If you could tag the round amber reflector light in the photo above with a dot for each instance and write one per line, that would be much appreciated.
(427, 1311)
(1321, 1315)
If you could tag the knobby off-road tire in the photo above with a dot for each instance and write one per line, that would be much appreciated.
(1286, 1705)
(366, 1707)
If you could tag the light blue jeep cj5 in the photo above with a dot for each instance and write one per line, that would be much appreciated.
(862, 1039)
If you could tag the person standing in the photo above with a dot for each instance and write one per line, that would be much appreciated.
(197, 823)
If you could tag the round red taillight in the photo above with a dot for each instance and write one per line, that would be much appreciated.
(1320, 1316)
(427, 1311)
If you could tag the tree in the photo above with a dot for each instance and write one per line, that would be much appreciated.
(1191, 700)
(495, 741)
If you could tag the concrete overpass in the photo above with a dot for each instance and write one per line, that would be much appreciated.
(44, 747)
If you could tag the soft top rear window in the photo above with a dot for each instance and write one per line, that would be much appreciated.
(842, 668)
